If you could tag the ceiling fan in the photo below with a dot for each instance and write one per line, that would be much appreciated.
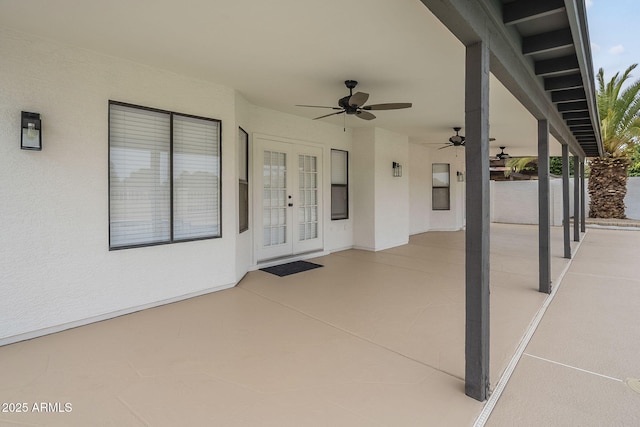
(353, 104)
(458, 140)
(502, 155)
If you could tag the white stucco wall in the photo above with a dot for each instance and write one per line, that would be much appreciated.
(363, 174)
(55, 267)
(516, 202)
(391, 193)
(632, 199)
(381, 209)
(422, 218)
(244, 240)
(419, 188)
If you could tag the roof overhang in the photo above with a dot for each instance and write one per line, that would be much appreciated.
(540, 51)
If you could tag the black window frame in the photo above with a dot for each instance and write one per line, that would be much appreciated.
(243, 186)
(439, 188)
(171, 114)
(344, 187)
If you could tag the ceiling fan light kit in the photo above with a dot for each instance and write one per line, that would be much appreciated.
(353, 104)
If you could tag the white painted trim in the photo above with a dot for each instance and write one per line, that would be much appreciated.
(446, 229)
(364, 248)
(393, 245)
(89, 320)
(340, 249)
(298, 257)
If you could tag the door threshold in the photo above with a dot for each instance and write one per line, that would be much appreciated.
(289, 258)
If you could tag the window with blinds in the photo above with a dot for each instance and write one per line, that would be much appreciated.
(243, 180)
(339, 184)
(440, 196)
(164, 177)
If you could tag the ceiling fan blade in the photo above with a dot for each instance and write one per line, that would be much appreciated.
(446, 146)
(389, 106)
(358, 99)
(327, 115)
(365, 115)
(318, 106)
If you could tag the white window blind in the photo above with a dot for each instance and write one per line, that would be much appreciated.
(440, 196)
(243, 148)
(164, 177)
(338, 167)
(196, 184)
(139, 156)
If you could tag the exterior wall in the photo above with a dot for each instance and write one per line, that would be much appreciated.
(516, 202)
(244, 240)
(422, 218)
(337, 234)
(56, 266)
(381, 200)
(632, 200)
(363, 175)
(391, 193)
(56, 270)
(419, 188)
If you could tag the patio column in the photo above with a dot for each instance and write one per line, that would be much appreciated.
(565, 201)
(583, 226)
(477, 230)
(576, 199)
(544, 223)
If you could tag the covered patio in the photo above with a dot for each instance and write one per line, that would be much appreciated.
(95, 225)
(368, 339)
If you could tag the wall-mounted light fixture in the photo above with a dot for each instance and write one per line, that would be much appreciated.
(397, 169)
(460, 176)
(31, 137)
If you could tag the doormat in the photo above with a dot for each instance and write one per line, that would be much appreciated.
(291, 268)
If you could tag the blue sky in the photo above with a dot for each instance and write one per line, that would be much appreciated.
(614, 29)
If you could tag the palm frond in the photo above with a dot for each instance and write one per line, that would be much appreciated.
(619, 112)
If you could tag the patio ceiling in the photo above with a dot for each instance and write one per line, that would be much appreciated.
(282, 53)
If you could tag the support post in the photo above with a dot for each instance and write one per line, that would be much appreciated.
(565, 201)
(576, 199)
(544, 209)
(478, 224)
(583, 224)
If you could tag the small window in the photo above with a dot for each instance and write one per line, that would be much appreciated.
(339, 184)
(164, 171)
(440, 196)
(243, 179)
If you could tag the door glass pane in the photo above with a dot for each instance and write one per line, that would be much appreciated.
(308, 197)
(274, 201)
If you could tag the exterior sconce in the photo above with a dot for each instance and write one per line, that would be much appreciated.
(31, 137)
(460, 176)
(397, 169)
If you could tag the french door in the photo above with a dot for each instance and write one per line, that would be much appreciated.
(288, 212)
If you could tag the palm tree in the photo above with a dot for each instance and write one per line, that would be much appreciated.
(620, 126)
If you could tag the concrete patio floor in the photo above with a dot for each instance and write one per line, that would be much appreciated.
(574, 369)
(370, 339)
